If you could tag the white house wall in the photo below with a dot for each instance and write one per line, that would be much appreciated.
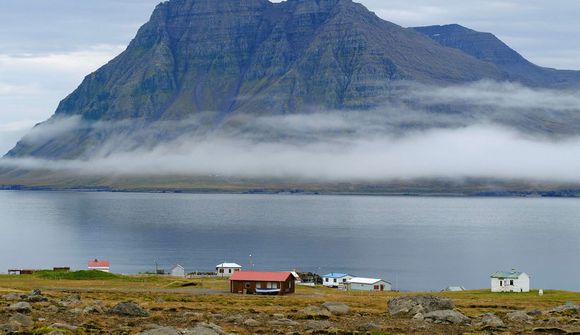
(522, 284)
(339, 281)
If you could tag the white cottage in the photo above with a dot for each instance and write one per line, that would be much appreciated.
(512, 281)
(178, 271)
(335, 279)
(227, 269)
(368, 284)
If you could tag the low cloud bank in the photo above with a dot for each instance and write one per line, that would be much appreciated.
(478, 151)
(495, 130)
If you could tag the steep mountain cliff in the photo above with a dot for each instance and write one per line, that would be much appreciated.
(201, 66)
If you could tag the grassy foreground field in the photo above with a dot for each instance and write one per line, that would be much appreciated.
(183, 303)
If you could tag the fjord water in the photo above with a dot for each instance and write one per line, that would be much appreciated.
(416, 243)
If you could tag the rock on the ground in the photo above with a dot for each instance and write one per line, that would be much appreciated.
(283, 322)
(205, 329)
(237, 319)
(21, 320)
(518, 316)
(315, 312)
(411, 305)
(317, 325)
(129, 308)
(336, 308)
(13, 296)
(21, 307)
(94, 309)
(447, 317)
(36, 296)
(8, 328)
(52, 309)
(568, 308)
(161, 331)
(370, 326)
(490, 320)
(251, 323)
(70, 299)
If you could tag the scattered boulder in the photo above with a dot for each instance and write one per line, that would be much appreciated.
(21, 307)
(71, 299)
(13, 296)
(161, 331)
(317, 325)
(129, 308)
(490, 321)
(76, 311)
(21, 320)
(64, 326)
(278, 316)
(370, 326)
(315, 312)
(552, 331)
(205, 329)
(568, 308)
(447, 317)
(94, 309)
(283, 322)
(251, 323)
(411, 305)
(36, 296)
(52, 309)
(237, 319)
(336, 308)
(518, 316)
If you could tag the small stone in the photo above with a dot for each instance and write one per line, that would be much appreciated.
(447, 316)
(21, 307)
(129, 308)
(283, 322)
(317, 325)
(70, 299)
(237, 319)
(11, 296)
(367, 327)
(490, 320)
(94, 309)
(336, 308)
(518, 316)
(278, 316)
(411, 305)
(76, 311)
(161, 331)
(418, 317)
(52, 309)
(315, 312)
(36, 292)
(22, 320)
(251, 323)
(205, 329)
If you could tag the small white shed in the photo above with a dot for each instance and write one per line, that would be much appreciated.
(510, 281)
(178, 271)
(335, 279)
(368, 284)
(227, 269)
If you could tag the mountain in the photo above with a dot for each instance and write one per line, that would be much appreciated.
(203, 66)
(239, 57)
(488, 48)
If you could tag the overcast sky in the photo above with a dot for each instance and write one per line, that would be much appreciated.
(48, 46)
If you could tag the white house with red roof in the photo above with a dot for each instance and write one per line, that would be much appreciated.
(99, 265)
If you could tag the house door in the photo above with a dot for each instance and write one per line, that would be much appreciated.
(382, 287)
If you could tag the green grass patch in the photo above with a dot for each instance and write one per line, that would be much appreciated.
(76, 275)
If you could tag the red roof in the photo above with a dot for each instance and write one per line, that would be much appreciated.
(261, 276)
(95, 263)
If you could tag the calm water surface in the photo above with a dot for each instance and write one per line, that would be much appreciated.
(416, 243)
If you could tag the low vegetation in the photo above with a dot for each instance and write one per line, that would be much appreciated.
(85, 299)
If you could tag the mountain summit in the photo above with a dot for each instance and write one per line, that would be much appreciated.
(223, 60)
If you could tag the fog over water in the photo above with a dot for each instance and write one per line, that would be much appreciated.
(493, 130)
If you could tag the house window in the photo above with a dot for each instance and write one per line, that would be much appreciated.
(500, 283)
(229, 270)
(335, 280)
(511, 282)
(326, 279)
(221, 270)
(376, 287)
(344, 280)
